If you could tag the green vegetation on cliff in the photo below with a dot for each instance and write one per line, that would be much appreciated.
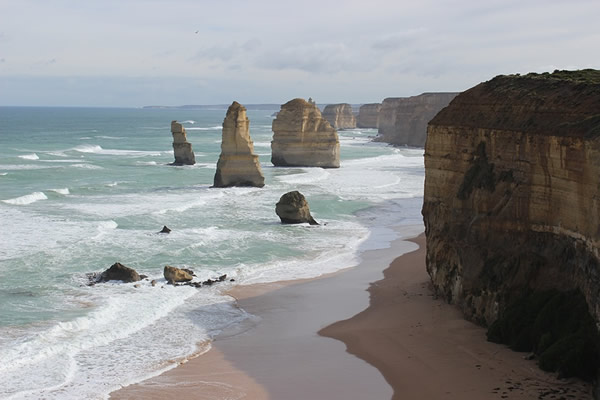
(562, 103)
(557, 327)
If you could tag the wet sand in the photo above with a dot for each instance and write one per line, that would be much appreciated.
(402, 344)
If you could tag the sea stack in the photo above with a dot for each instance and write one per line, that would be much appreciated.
(303, 138)
(237, 165)
(511, 210)
(340, 116)
(181, 147)
(368, 115)
(292, 208)
(403, 120)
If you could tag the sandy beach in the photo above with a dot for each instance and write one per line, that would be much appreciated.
(354, 335)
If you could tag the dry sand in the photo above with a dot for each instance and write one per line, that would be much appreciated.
(407, 345)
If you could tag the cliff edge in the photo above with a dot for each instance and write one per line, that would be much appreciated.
(512, 201)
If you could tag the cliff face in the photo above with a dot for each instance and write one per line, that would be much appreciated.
(340, 116)
(512, 193)
(181, 147)
(403, 120)
(237, 165)
(302, 137)
(368, 116)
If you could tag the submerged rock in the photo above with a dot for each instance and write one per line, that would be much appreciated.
(165, 229)
(119, 272)
(181, 147)
(303, 138)
(237, 165)
(292, 208)
(174, 274)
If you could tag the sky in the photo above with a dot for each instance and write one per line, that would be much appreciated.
(131, 53)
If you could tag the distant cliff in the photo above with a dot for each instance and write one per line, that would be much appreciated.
(368, 115)
(340, 116)
(403, 120)
(511, 210)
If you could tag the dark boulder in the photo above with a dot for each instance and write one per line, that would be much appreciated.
(292, 208)
(119, 272)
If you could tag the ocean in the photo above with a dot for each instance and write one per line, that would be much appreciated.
(83, 188)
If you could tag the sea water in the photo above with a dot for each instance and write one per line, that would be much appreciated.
(83, 188)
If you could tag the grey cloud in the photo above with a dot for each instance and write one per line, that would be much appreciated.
(398, 40)
(226, 53)
(315, 58)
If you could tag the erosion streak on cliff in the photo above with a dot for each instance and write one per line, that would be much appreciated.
(512, 191)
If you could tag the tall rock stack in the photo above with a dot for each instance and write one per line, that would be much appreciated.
(237, 165)
(340, 116)
(181, 147)
(512, 201)
(403, 120)
(303, 138)
(368, 115)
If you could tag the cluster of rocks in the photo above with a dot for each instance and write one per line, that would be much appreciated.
(173, 275)
(292, 208)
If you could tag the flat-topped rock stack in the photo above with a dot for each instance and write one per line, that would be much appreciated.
(303, 138)
(340, 116)
(403, 120)
(368, 115)
(181, 147)
(237, 165)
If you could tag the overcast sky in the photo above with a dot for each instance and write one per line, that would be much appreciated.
(173, 52)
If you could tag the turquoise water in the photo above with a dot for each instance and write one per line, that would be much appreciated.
(83, 188)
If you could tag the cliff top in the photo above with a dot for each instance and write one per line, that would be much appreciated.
(564, 103)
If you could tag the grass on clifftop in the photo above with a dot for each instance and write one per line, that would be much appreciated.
(581, 75)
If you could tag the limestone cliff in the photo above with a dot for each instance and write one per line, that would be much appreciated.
(403, 120)
(237, 165)
(181, 147)
(368, 116)
(512, 194)
(340, 116)
(302, 137)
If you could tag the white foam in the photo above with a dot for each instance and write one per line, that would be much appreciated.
(309, 175)
(189, 121)
(27, 199)
(110, 137)
(211, 128)
(63, 191)
(86, 166)
(24, 167)
(3, 173)
(96, 149)
(29, 157)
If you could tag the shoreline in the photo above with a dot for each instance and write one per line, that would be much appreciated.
(328, 338)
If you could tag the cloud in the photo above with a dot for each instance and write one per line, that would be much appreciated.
(226, 53)
(398, 40)
(326, 58)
